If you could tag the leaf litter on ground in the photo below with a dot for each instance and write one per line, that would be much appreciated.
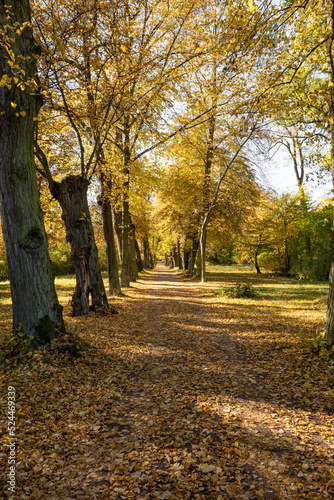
(183, 394)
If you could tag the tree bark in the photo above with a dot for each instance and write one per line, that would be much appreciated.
(71, 194)
(138, 257)
(117, 223)
(36, 310)
(193, 253)
(126, 264)
(202, 243)
(132, 251)
(147, 254)
(179, 256)
(109, 238)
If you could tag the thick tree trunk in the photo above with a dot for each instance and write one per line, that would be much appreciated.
(114, 283)
(36, 310)
(138, 257)
(71, 193)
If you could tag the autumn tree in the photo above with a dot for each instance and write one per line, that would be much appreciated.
(36, 310)
(64, 34)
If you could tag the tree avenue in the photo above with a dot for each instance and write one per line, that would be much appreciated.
(155, 115)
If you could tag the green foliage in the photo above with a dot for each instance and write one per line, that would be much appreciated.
(239, 291)
(222, 255)
(318, 345)
(3, 271)
(61, 261)
(311, 246)
(103, 259)
(298, 236)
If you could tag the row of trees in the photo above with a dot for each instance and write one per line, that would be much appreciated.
(139, 97)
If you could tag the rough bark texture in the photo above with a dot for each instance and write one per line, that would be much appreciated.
(71, 193)
(114, 283)
(138, 257)
(36, 310)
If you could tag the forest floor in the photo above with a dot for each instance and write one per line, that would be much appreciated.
(183, 394)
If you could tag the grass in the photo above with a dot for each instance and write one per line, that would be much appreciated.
(273, 290)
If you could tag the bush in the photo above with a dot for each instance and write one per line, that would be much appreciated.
(239, 291)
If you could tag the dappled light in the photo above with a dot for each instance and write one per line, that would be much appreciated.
(183, 394)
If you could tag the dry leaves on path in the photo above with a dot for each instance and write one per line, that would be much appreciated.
(181, 395)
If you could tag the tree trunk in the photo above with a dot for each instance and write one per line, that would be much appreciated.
(125, 274)
(147, 254)
(71, 193)
(179, 256)
(114, 283)
(185, 259)
(126, 264)
(202, 251)
(192, 259)
(199, 263)
(138, 257)
(117, 223)
(132, 251)
(256, 262)
(36, 310)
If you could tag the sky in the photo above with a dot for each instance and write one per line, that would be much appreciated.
(279, 175)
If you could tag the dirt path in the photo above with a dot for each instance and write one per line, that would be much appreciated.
(173, 400)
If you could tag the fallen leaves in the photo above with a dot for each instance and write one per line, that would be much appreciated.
(178, 396)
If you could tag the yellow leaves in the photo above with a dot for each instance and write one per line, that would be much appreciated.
(190, 444)
(13, 104)
(124, 49)
(6, 81)
(252, 6)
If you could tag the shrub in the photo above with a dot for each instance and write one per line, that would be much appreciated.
(239, 291)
